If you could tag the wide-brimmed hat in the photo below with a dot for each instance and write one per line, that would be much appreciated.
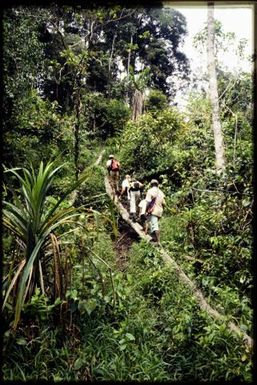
(111, 156)
(154, 181)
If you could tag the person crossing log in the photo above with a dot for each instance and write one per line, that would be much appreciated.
(155, 203)
(113, 168)
(203, 304)
(135, 195)
(123, 212)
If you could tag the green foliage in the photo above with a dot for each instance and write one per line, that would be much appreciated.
(199, 111)
(188, 333)
(156, 101)
(107, 117)
(39, 123)
(77, 316)
(23, 68)
(222, 40)
(147, 143)
(235, 94)
(22, 62)
(140, 80)
(156, 332)
(39, 306)
(32, 223)
(75, 60)
(31, 354)
(92, 194)
(149, 36)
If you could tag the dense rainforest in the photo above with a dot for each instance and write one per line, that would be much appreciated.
(84, 297)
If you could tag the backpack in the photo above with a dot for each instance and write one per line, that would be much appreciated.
(136, 186)
(115, 166)
(150, 205)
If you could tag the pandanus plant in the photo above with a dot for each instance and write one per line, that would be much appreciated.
(33, 224)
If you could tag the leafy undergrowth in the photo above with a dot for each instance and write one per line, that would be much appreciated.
(149, 328)
(132, 319)
(214, 251)
(88, 301)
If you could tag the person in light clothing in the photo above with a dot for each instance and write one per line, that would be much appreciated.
(125, 186)
(143, 215)
(135, 195)
(155, 202)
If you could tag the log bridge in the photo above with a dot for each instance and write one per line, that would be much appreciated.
(203, 304)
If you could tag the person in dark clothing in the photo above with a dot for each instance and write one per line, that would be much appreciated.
(113, 168)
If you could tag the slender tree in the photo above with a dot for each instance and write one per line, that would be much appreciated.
(214, 97)
(139, 83)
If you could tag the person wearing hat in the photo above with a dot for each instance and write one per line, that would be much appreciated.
(155, 199)
(113, 168)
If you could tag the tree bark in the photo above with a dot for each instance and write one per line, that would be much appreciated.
(110, 62)
(128, 65)
(111, 54)
(129, 55)
(137, 104)
(77, 139)
(214, 98)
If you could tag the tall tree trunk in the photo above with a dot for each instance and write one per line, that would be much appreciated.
(128, 65)
(137, 104)
(213, 88)
(129, 54)
(110, 62)
(77, 137)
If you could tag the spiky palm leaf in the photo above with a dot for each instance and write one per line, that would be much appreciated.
(32, 224)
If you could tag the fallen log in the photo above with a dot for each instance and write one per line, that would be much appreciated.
(201, 300)
(203, 304)
(123, 212)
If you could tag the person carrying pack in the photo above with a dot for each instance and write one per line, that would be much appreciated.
(113, 168)
(125, 186)
(135, 194)
(155, 202)
(143, 217)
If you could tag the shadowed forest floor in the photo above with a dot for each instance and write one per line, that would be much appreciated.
(123, 244)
